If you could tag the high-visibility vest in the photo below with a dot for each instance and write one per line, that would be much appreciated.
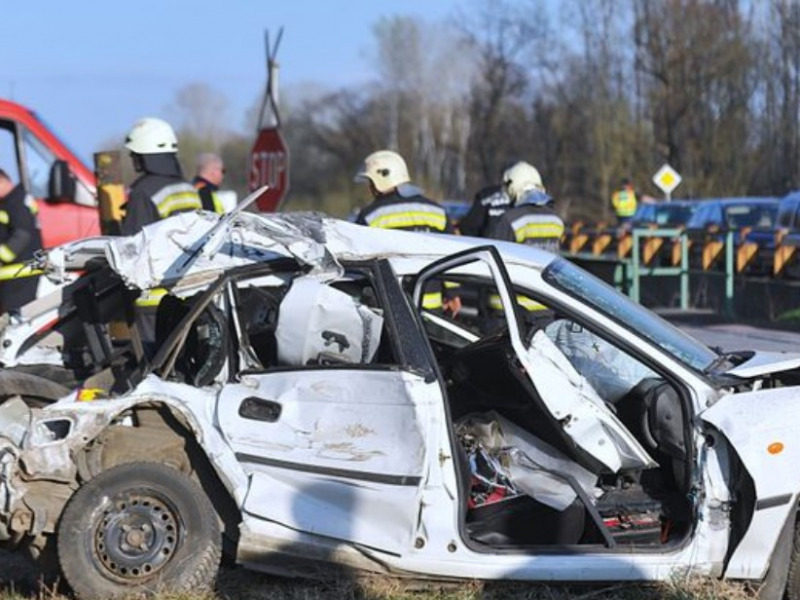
(624, 202)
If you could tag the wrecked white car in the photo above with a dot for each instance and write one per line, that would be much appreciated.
(305, 400)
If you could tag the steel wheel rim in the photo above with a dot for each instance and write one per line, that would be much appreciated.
(136, 535)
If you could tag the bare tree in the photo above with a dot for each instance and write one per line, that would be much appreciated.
(201, 110)
(504, 37)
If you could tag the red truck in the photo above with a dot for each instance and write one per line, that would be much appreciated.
(32, 154)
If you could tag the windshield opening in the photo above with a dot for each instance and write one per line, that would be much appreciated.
(638, 320)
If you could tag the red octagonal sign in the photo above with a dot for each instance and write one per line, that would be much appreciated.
(269, 165)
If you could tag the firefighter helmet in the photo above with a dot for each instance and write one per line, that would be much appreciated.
(521, 179)
(385, 169)
(151, 136)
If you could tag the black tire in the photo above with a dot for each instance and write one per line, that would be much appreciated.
(793, 579)
(35, 390)
(139, 528)
(784, 560)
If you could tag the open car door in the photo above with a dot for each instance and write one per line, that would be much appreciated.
(567, 396)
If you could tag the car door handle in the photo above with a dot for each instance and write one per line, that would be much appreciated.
(259, 409)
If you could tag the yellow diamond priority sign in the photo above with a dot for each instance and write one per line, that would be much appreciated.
(667, 179)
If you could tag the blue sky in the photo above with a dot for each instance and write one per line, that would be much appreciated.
(92, 68)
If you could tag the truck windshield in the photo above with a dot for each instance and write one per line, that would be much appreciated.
(55, 134)
(638, 320)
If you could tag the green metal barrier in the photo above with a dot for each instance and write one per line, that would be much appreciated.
(638, 270)
(627, 273)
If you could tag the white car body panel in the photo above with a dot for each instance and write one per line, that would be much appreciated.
(776, 476)
(765, 363)
(340, 458)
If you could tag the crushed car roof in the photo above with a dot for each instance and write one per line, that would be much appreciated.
(194, 243)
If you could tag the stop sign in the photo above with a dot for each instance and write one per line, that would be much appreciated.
(269, 165)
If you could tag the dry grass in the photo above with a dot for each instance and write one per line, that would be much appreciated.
(17, 583)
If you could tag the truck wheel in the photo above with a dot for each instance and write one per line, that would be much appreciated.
(139, 528)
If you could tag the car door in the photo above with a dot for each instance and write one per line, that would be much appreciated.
(336, 450)
(584, 417)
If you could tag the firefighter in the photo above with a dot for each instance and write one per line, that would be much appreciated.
(489, 205)
(210, 172)
(20, 238)
(397, 204)
(157, 194)
(532, 219)
(624, 201)
(161, 190)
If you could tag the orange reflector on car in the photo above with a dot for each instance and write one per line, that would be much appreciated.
(775, 448)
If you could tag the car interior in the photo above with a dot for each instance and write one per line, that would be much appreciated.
(488, 390)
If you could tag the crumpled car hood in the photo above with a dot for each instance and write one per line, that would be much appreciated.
(765, 363)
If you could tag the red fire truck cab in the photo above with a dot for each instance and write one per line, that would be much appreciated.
(31, 153)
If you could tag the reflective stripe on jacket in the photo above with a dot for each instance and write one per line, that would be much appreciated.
(408, 215)
(412, 213)
(535, 228)
(151, 297)
(176, 197)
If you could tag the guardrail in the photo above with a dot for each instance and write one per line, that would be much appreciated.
(664, 253)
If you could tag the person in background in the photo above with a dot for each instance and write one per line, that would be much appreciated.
(397, 204)
(161, 190)
(623, 200)
(158, 193)
(20, 238)
(489, 205)
(210, 173)
(532, 219)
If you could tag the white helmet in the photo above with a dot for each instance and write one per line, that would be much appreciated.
(385, 169)
(151, 136)
(521, 179)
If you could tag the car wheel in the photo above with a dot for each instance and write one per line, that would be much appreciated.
(34, 390)
(783, 577)
(139, 528)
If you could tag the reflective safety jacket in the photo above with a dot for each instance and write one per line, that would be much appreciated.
(19, 230)
(490, 204)
(531, 224)
(624, 202)
(159, 193)
(411, 213)
(20, 238)
(208, 195)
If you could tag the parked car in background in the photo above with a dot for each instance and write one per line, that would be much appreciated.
(302, 408)
(675, 213)
(714, 218)
(719, 215)
(785, 234)
(455, 209)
